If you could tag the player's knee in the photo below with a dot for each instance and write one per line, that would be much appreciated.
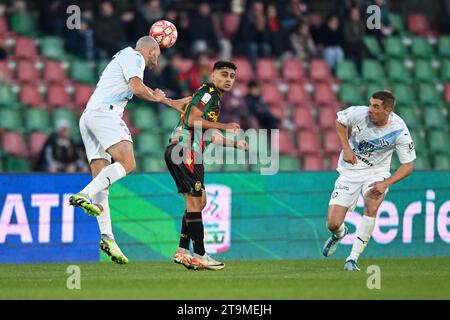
(129, 164)
(333, 225)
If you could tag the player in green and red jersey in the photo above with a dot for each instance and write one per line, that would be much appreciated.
(186, 144)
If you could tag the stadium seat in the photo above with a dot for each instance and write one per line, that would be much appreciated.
(231, 24)
(288, 163)
(303, 119)
(4, 28)
(447, 92)
(421, 48)
(271, 94)
(419, 139)
(37, 120)
(396, 21)
(351, 94)
(57, 96)
(67, 115)
(411, 116)
(10, 120)
(27, 72)
(25, 48)
(13, 143)
(82, 71)
(286, 146)
(297, 95)
(23, 23)
(398, 72)
(372, 70)
(327, 118)
(418, 24)
(445, 70)
(53, 48)
(313, 163)
(307, 143)
(30, 95)
(434, 118)
(144, 117)
(54, 72)
(101, 65)
(245, 70)
(422, 162)
(444, 46)
(5, 72)
(266, 70)
(403, 94)
(152, 164)
(429, 95)
(424, 71)
(293, 71)
(82, 95)
(346, 71)
(323, 94)
(37, 141)
(438, 141)
(441, 162)
(169, 119)
(331, 143)
(319, 71)
(395, 48)
(7, 95)
(14, 164)
(373, 45)
(149, 143)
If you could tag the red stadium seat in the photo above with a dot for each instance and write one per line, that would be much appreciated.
(3, 25)
(244, 69)
(30, 95)
(57, 96)
(277, 111)
(319, 71)
(334, 160)
(5, 72)
(308, 143)
(217, 27)
(13, 143)
(303, 119)
(297, 95)
(242, 87)
(293, 71)
(418, 24)
(331, 142)
(54, 72)
(286, 145)
(323, 94)
(25, 48)
(327, 118)
(266, 71)
(133, 130)
(447, 92)
(313, 163)
(37, 141)
(231, 24)
(271, 94)
(82, 95)
(27, 72)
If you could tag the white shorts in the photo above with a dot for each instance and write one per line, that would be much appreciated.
(349, 186)
(100, 129)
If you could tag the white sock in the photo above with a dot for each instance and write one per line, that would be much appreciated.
(363, 234)
(340, 231)
(105, 178)
(104, 219)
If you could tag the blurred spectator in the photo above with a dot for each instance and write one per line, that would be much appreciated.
(135, 24)
(109, 32)
(259, 108)
(329, 41)
(386, 28)
(303, 43)
(173, 81)
(354, 31)
(199, 72)
(278, 38)
(202, 32)
(152, 11)
(60, 153)
(292, 14)
(234, 110)
(181, 21)
(444, 20)
(343, 7)
(252, 36)
(81, 41)
(56, 10)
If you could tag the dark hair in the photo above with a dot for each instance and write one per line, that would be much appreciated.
(386, 96)
(224, 64)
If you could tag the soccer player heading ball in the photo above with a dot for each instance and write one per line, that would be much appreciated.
(185, 143)
(364, 166)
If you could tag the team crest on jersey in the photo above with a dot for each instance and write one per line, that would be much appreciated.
(206, 97)
(198, 186)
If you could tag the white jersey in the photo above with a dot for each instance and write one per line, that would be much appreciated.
(113, 90)
(373, 145)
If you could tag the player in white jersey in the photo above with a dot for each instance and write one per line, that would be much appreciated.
(106, 136)
(364, 166)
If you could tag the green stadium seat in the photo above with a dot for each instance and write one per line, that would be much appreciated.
(373, 46)
(411, 116)
(346, 70)
(445, 70)
(37, 120)
(398, 72)
(421, 47)
(53, 47)
(351, 94)
(419, 139)
(152, 164)
(101, 65)
(372, 70)
(169, 118)
(403, 94)
(429, 95)
(422, 162)
(438, 140)
(11, 120)
(65, 114)
(441, 162)
(82, 71)
(375, 86)
(395, 162)
(396, 21)
(15, 164)
(394, 48)
(7, 96)
(434, 118)
(289, 163)
(23, 23)
(444, 46)
(149, 144)
(144, 117)
(424, 71)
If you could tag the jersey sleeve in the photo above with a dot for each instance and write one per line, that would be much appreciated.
(404, 146)
(202, 100)
(132, 66)
(350, 116)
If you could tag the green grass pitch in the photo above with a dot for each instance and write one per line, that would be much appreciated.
(421, 278)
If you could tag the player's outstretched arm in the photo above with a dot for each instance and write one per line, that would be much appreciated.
(219, 139)
(349, 156)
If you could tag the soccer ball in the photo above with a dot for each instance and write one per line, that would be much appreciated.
(164, 32)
